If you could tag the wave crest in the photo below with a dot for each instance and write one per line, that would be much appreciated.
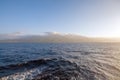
(54, 69)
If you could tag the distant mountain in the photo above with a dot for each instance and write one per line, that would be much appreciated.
(50, 37)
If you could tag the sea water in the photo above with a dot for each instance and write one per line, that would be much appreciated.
(59, 61)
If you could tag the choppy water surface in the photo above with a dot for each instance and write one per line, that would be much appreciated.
(83, 61)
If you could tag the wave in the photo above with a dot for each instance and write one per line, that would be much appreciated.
(49, 69)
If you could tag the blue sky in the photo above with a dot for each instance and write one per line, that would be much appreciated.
(97, 18)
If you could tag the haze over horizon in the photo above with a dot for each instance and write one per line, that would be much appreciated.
(96, 18)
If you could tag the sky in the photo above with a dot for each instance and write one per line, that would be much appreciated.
(94, 18)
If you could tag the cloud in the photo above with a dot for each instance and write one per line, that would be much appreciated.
(17, 35)
(60, 34)
(50, 37)
(11, 35)
(53, 33)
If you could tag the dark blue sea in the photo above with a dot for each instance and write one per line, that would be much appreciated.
(60, 61)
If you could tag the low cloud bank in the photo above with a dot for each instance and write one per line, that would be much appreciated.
(51, 37)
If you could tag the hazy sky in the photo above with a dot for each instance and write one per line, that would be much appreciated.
(100, 18)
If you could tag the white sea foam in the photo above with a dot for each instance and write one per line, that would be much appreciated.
(27, 75)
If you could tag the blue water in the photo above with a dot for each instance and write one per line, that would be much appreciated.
(72, 61)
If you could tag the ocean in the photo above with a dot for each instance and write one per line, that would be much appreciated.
(59, 61)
